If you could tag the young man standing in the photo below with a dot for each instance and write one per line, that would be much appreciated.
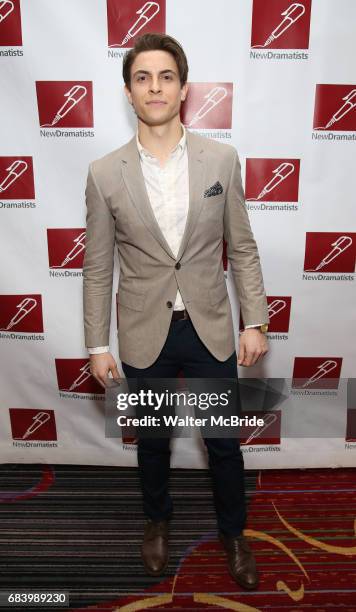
(167, 199)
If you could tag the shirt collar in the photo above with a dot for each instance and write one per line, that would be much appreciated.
(180, 147)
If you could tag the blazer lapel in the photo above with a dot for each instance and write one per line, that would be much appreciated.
(135, 183)
(197, 173)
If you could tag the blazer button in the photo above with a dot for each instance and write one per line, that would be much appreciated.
(177, 266)
(169, 304)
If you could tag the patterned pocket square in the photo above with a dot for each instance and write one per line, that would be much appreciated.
(214, 190)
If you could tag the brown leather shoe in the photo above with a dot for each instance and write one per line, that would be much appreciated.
(242, 564)
(154, 549)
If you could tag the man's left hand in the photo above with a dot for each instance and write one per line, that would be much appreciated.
(253, 344)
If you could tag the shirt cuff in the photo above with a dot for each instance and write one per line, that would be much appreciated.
(256, 325)
(96, 350)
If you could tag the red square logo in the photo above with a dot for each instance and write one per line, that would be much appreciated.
(351, 425)
(208, 106)
(268, 433)
(316, 372)
(278, 312)
(335, 108)
(16, 178)
(65, 104)
(33, 424)
(272, 180)
(21, 313)
(280, 24)
(330, 252)
(66, 248)
(10, 23)
(128, 19)
(73, 376)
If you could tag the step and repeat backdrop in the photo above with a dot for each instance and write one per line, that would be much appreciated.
(274, 78)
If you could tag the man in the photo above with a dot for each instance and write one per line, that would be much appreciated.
(167, 198)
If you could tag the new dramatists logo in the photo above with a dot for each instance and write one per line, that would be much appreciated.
(32, 424)
(335, 108)
(279, 24)
(316, 372)
(21, 313)
(65, 104)
(66, 248)
(131, 18)
(73, 376)
(10, 23)
(279, 313)
(208, 106)
(330, 252)
(272, 180)
(16, 178)
(268, 433)
(351, 425)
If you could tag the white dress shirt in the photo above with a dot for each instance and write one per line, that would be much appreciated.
(168, 192)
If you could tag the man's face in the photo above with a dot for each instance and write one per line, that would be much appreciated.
(156, 93)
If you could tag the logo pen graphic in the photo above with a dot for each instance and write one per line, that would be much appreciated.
(79, 246)
(339, 246)
(146, 14)
(294, 12)
(25, 307)
(74, 96)
(323, 369)
(280, 175)
(275, 307)
(212, 99)
(83, 376)
(349, 105)
(14, 172)
(6, 8)
(38, 420)
(268, 421)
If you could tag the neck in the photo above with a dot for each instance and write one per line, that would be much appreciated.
(160, 140)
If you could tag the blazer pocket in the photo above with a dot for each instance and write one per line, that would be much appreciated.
(218, 292)
(135, 301)
(215, 199)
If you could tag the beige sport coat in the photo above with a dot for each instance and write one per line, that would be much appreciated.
(119, 213)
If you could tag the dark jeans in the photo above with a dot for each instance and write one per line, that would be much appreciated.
(183, 350)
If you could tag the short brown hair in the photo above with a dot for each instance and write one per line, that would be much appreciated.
(152, 42)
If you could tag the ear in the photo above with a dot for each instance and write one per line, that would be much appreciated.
(184, 92)
(128, 94)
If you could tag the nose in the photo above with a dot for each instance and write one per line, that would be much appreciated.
(155, 85)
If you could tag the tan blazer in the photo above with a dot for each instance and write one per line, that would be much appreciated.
(119, 211)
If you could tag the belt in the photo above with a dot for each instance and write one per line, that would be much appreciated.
(180, 314)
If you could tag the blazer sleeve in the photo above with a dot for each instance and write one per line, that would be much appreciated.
(242, 252)
(98, 265)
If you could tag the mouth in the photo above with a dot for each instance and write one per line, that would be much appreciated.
(156, 102)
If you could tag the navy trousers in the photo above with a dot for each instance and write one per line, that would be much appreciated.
(183, 350)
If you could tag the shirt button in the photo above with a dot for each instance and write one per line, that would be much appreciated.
(169, 304)
(177, 266)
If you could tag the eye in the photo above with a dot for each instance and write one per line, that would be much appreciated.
(141, 77)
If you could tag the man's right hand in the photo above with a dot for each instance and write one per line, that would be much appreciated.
(100, 366)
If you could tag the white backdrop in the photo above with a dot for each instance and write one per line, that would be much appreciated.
(266, 101)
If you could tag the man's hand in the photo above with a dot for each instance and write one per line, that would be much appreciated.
(253, 344)
(100, 366)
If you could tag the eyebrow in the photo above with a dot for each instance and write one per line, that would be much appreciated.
(148, 72)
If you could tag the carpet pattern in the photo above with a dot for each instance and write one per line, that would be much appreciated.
(79, 528)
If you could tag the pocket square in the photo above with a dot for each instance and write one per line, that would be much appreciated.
(214, 190)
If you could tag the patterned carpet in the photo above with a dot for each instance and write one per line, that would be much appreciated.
(79, 528)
